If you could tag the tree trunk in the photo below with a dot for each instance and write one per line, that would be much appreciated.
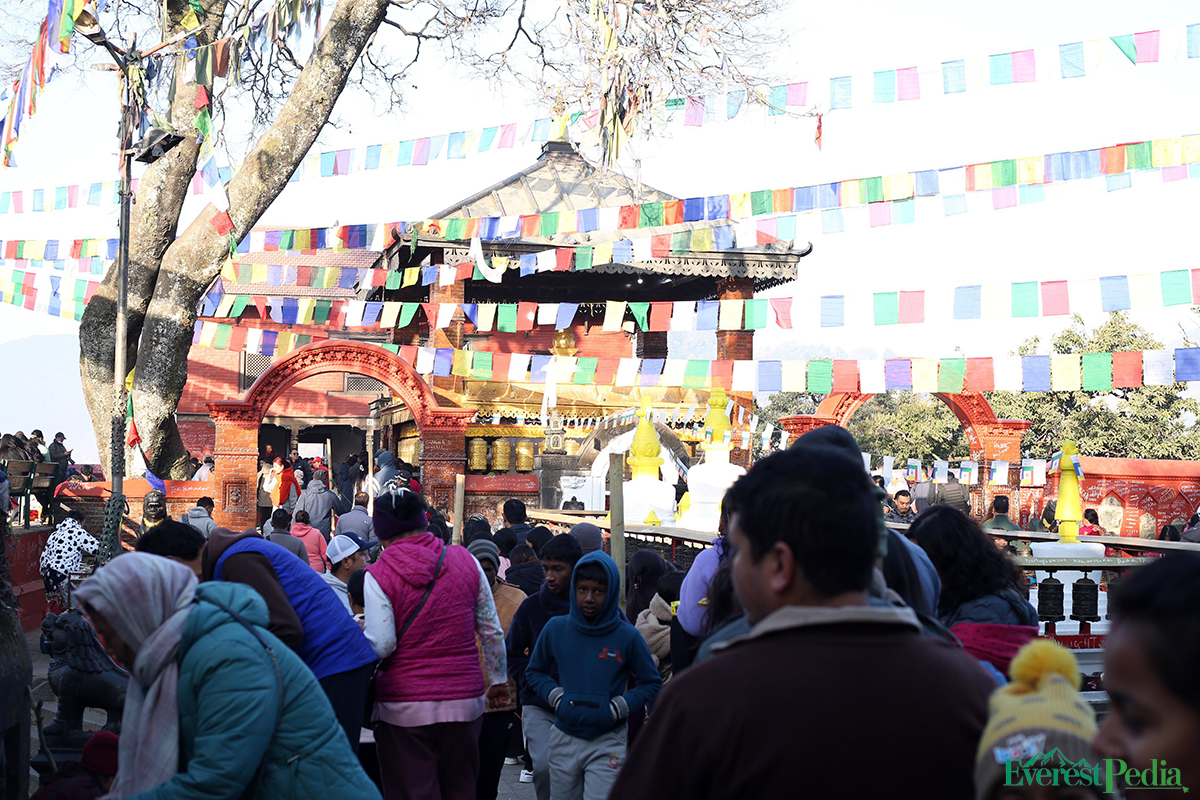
(153, 225)
(195, 259)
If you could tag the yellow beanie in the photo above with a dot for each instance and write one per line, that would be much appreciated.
(1039, 711)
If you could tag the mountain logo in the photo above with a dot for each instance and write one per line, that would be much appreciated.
(1111, 775)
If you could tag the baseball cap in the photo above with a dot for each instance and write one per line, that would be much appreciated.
(342, 546)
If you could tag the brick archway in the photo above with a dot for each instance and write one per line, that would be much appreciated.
(989, 438)
(443, 428)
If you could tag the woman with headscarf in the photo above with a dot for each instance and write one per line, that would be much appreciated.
(642, 574)
(216, 706)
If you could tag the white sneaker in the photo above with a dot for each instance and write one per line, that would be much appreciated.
(511, 762)
(526, 776)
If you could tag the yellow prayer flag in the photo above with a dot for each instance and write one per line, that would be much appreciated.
(673, 372)
(208, 332)
(794, 375)
(411, 275)
(924, 375)
(471, 141)
(284, 344)
(702, 240)
(387, 155)
(190, 20)
(1065, 375)
(568, 222)
(996, 302)
(461, 365)
(730, 316)
(390, 315)
(614, 314)
(225, 306)
(602, 253)
(1166, 152)
(332, 276)
(1190, 149)
(228, 271)
(851, 193)
(1145, 290)
(1031, 170)
(258, 273)
(898, 187)
(983, 176)
(485, 316)
(739, 206)
(305, 309)
(302, 239)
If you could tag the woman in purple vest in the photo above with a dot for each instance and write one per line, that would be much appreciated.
(425, 603)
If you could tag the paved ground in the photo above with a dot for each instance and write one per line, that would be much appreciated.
(511, 788)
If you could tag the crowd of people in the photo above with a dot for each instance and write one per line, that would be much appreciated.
(811, 638)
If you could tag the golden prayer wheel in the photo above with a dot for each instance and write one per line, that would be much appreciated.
(525, 456)
(501, 455)
(406, 450)
(477, 454)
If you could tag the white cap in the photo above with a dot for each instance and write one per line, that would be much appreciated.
(341, 547)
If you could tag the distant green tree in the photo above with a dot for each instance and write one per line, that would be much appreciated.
(1146, 422)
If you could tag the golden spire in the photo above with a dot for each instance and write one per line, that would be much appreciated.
(644, 459)
(716, 423)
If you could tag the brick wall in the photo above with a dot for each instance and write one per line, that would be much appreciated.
(594, 343)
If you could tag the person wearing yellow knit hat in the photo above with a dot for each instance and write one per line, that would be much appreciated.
(1038, 722)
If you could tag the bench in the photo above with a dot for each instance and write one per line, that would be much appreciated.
(45, 481)
(20, 484)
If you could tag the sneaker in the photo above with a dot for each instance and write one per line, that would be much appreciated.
(526, 776)
(511, 762)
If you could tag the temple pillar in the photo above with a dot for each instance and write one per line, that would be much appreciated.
(650, 344)
(443, 457)
(235, 473)
(737, 346)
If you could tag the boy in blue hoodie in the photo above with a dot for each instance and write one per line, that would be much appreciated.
(594, 651)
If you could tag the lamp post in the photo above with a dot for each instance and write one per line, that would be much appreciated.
(154, 146)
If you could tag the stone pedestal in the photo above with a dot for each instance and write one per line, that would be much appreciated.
(551, 469)
(1068, 577)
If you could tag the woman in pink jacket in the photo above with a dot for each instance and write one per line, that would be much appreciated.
(425, 603)
(314, 541)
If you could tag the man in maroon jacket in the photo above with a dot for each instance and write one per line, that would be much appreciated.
(831, 694)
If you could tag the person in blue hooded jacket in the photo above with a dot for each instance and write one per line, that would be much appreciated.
(594, 651)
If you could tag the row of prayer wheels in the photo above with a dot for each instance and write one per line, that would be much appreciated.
(501, 455)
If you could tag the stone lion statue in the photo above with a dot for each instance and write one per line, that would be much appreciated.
(82, 676)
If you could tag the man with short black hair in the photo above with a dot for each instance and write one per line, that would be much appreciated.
(515, 519)
(1000, 520)
(902, 511)
(796, 690)
(278, 529)
(177, 541)
(200, 517)
(358, 521)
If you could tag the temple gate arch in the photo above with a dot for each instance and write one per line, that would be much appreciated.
(442, 427)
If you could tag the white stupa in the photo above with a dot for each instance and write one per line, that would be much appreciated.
(709, 480)
(649, 500)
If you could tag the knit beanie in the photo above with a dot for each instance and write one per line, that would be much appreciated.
(482, 548)
(100, 753)
(589, 536)
(1040, 711)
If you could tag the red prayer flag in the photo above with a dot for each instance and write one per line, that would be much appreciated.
(220, 49)
(912, 307)
(500, 365)
(782, 306)
(237, 339)
(563, 257)
(72, 196)
(304, 276)
(221, 223)
(672, 212)
(92, 286)
(464, 271)
(472, 228)
(76, 249)
(722, 374)
(845, 376)
(980, 375)
(378, 277)
(660, 316)
(1127, 370)
(970, 174)
(261, 304)
(201, 97)
(338, 317)
(30, 297)
(408, 354)
(606, 370)
(1112, 160)
(766, 232)
(1055, 300)
(1196, 286)
(431, 312)
(10, 248)
(531, 225)
(660, 245)
(629, 217)
(526, 313)
(781, 199)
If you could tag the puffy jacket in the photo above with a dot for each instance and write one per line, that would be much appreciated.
(527, 577)
(199, 519)
(314, 543)
(228, 700)
(1002, 608)
(318, 501)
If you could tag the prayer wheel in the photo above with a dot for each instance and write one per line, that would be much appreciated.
(406, 450)
(477, 455)
(525, 456)
(501, 455)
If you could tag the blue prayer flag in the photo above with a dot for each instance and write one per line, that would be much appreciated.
(955, 204)
(885, 86)
(651, 371)
(373, 152)
(566, 315)
(828, 195)
(954, 77)
(588, 219)
(804, 198)
(541, 130)
(1122, 181)
(435, 146)
(770, 376)
(832, 221)
(94, 194)
(443, 361)
(733, 103)
(1031, 193)
(839, 92)
(404, 153)
(1035, 373)
(897, 374)
(777, 101)
(1187, 364)
(927, 183)
(1070, 59)
(1114, 293)
(693, 210)
(717, 206)
(833, 311)
(1000, 69)
(967, 302)
(706, 315)
(723, 237)
(1193, 40)
(455, 148)
(904, 211)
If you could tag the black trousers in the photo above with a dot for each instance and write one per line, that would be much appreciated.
(494, 737)
(347, 693)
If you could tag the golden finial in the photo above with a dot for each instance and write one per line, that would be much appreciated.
(644, 459)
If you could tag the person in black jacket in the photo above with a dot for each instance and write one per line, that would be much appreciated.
(525, 571)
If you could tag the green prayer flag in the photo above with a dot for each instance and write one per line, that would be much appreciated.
(204, 65)
(1138, 156)
(640, 312)
(650, 215)
(1097, 372)
(585, 371)
(481, 367)
(477, 274)
(239, 305)
(756, 313)
(695, 374)
(1025, 299)
(1128, 46)
(317, 277)
(951, 374)
(455, 228)
(221, 340)
(204, 122)
(506, 318)
(887, 308)
(1176, 288)
(674, 102)
(820, 377)
(287, 240)
(583, 258)
(245, 273)
(1004, 173)
(761, 202)
(681, 242)
(394, 278)
(392, 348)
(407, 312)
(80, 290)
(777, 101)
(549, 223)
(321, 312)
(871, 190)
